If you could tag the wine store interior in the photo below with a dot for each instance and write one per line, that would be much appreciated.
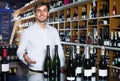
(59, 40)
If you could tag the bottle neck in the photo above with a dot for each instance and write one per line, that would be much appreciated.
(4, 53)
(78, 50)
(87, 53)
(56, 50)
(102, 51)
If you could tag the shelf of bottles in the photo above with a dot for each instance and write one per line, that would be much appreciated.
(92, 22)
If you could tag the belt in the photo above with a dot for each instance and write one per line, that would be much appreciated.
(37, 71)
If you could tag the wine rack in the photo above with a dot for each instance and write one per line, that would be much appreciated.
(79, 22)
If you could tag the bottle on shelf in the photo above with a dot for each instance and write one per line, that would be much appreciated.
(70, 69)
(59, 3)
(87, 72)
(75, 15)
(101, 11)
(103, 69)
(4, 65)
(68, 15)
(118, 40)
(75, 37)
(56, 63)
(0, 53)
(78, 62)
(89, 38)
(106, 37)
(48, 63)
(90, 12)
(92, 59)
(114, 9)
(84, 12)
(115, 39)
(66, 2)
(107, 56)
(61, 16)
(94, 11)
(112, 39)
(82, 38)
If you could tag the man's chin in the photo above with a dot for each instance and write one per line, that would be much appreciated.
(42, 21)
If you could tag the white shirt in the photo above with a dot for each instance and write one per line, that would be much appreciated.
(34, 39)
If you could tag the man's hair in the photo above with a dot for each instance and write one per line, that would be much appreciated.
(38, 4)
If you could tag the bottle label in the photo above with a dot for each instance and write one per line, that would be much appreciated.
(118, 59)
(78, 70)
(45, 73)
(93, 69)
(107, 43)
(88, 72)
(93, 79)
(5, 67)
(78, 79)
(118, 44)
(103, 72)
(70, 78)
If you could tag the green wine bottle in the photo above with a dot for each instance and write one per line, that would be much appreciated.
(48, 63)
(56, 63)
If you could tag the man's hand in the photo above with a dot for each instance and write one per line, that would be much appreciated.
(28, 60)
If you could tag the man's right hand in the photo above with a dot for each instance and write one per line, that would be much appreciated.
(28, 60)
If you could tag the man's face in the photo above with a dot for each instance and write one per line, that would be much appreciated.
(42, 13)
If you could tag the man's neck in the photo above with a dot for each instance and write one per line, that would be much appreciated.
(42, 24)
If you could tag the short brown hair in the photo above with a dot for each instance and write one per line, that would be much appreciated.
(41, 4)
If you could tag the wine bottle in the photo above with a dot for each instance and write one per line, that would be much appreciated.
(90, 12)
(15, 47)
(118, 58)
(66, 2)
(103, 71)
(78, 62)
(111, 39)
(75, 16)
(0, 53)
(106, 37)
(114, 9)
(92, 61)
(4, 66)
(118, 40)
(56, 62)
(115, 39)
(9, 54)
(87, 64)
(88, 38)
(83, 14)
(107, 56)
(71, 66)
(48, 63)
(68, 15)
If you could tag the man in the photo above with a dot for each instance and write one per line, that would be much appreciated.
(35, 38)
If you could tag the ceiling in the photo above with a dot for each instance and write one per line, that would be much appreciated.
(13, 4)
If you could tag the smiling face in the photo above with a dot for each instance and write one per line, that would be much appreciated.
(41, 13)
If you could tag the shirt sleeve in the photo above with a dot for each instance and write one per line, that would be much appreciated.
(22, 46)
(60, 49)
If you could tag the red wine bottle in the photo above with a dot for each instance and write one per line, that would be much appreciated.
(5, 66)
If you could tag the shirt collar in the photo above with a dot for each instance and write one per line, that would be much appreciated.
(37, 26)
